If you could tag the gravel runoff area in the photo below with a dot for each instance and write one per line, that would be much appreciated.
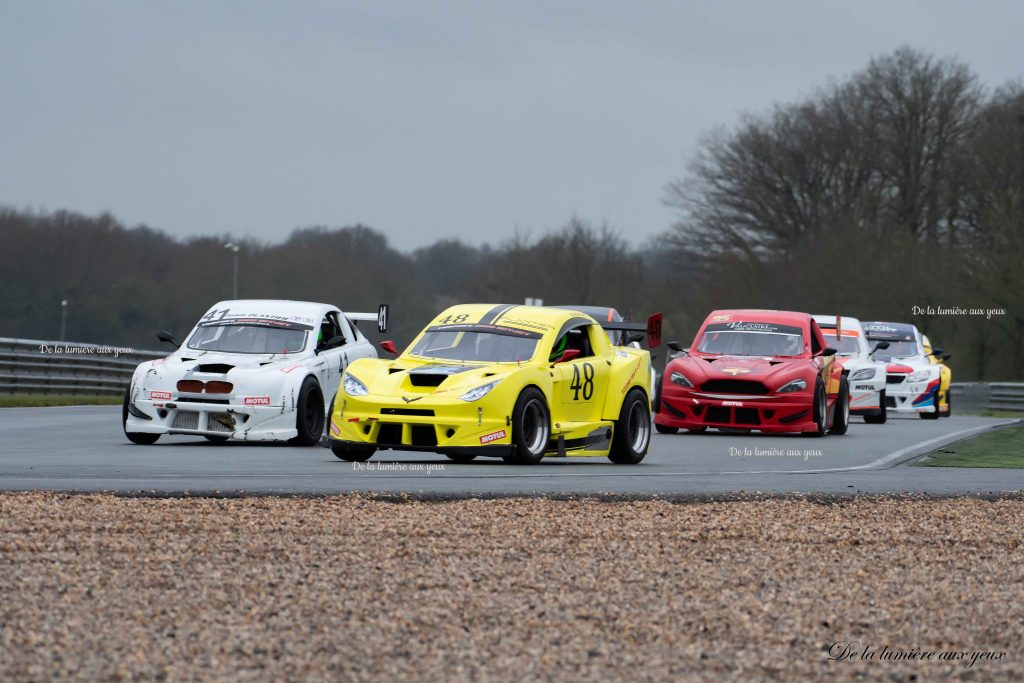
(96, 587)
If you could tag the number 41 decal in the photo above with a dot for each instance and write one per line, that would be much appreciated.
(586, 386)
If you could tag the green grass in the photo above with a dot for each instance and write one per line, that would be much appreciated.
(37, 400)
(999, 448)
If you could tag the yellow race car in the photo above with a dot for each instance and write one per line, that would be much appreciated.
(944, 396)
(517, 382)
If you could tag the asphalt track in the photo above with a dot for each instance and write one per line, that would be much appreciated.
(83, 449)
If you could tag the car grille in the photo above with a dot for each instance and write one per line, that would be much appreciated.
(895, 379)
(734, 386)
(215, 425)
(421, 412)
(424, 435)
(186, 419)
(390, 434)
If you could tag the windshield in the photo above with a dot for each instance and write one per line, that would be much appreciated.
(752, 339)
(250, 338)
(481, 343)
(845, 345)
(898, 349)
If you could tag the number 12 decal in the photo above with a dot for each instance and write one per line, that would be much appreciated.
(587, 385)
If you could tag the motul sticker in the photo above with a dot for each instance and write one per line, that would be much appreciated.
(160, 395)
(493, 436)
(257, 400)
(736, 404)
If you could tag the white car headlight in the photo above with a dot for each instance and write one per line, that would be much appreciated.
(354, 387)
(918, 376)
(860, 375)
(479, 392)
(680, 379)
(795, 385)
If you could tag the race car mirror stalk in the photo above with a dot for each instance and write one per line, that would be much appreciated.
(880, 346)
(168, 338)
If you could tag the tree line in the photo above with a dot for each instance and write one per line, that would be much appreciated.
(892, 192)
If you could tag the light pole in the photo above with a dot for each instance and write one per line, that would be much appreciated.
(63, 317)
(234, 247)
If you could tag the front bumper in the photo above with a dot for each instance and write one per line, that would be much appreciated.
(913, 397)
(689, 409)
(428, 424)
(231, 420)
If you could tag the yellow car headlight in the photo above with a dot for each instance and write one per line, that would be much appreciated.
(479, 392)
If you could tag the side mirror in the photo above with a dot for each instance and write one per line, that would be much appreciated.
(937, 352)
(675, 346)
(638, 337)
(880, 345)
(946, 356)
(569, 354)
(827, 351)
(389, 346)
(168, 338)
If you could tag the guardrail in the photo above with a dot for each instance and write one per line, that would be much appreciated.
(988, 396)
(34, 366)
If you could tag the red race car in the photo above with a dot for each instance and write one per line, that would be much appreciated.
(749, 369)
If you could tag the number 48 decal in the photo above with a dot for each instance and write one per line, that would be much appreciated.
(587, 383)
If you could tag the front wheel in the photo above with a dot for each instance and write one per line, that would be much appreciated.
(309, 414)
(531, 426)
(841, 411)
(880, 417)
(819, 409)
(460, 457)
(632, 430)
(665, 429)
(352, 452)
(949, 403)
(139, 438)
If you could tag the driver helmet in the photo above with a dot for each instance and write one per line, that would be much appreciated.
(559, 348)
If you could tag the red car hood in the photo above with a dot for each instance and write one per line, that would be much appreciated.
(743, 367)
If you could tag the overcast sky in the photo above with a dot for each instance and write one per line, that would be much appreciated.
(423, 120)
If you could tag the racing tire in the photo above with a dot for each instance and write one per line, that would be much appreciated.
(350, 453)
(632, 434)
(841, 411)
(215, 439)
(656, 404)
(460, 457)
(949, 403)
(139, 438)
(309, 414)
(819, 409)
(531, 428)
(882, 416)
(697, 430)
(934, 415)
(665, 429)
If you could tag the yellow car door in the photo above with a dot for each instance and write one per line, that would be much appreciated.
(580, 381)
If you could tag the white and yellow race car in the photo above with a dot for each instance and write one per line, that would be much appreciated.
(518, 382)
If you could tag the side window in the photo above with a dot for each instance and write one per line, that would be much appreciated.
(329, 329)
(338, 326)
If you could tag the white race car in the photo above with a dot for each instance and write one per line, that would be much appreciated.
(912, 381)
(256, 370)
(865, 375)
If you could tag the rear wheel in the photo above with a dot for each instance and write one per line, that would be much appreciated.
(139, 438)
(215, 439)
(531, 427)
(949, 403)
(632, 430)
(880, 417)
(841, 411)
(665, 429)
(309, 414)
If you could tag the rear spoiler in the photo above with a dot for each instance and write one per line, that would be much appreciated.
(651, 329)
(381, 317)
